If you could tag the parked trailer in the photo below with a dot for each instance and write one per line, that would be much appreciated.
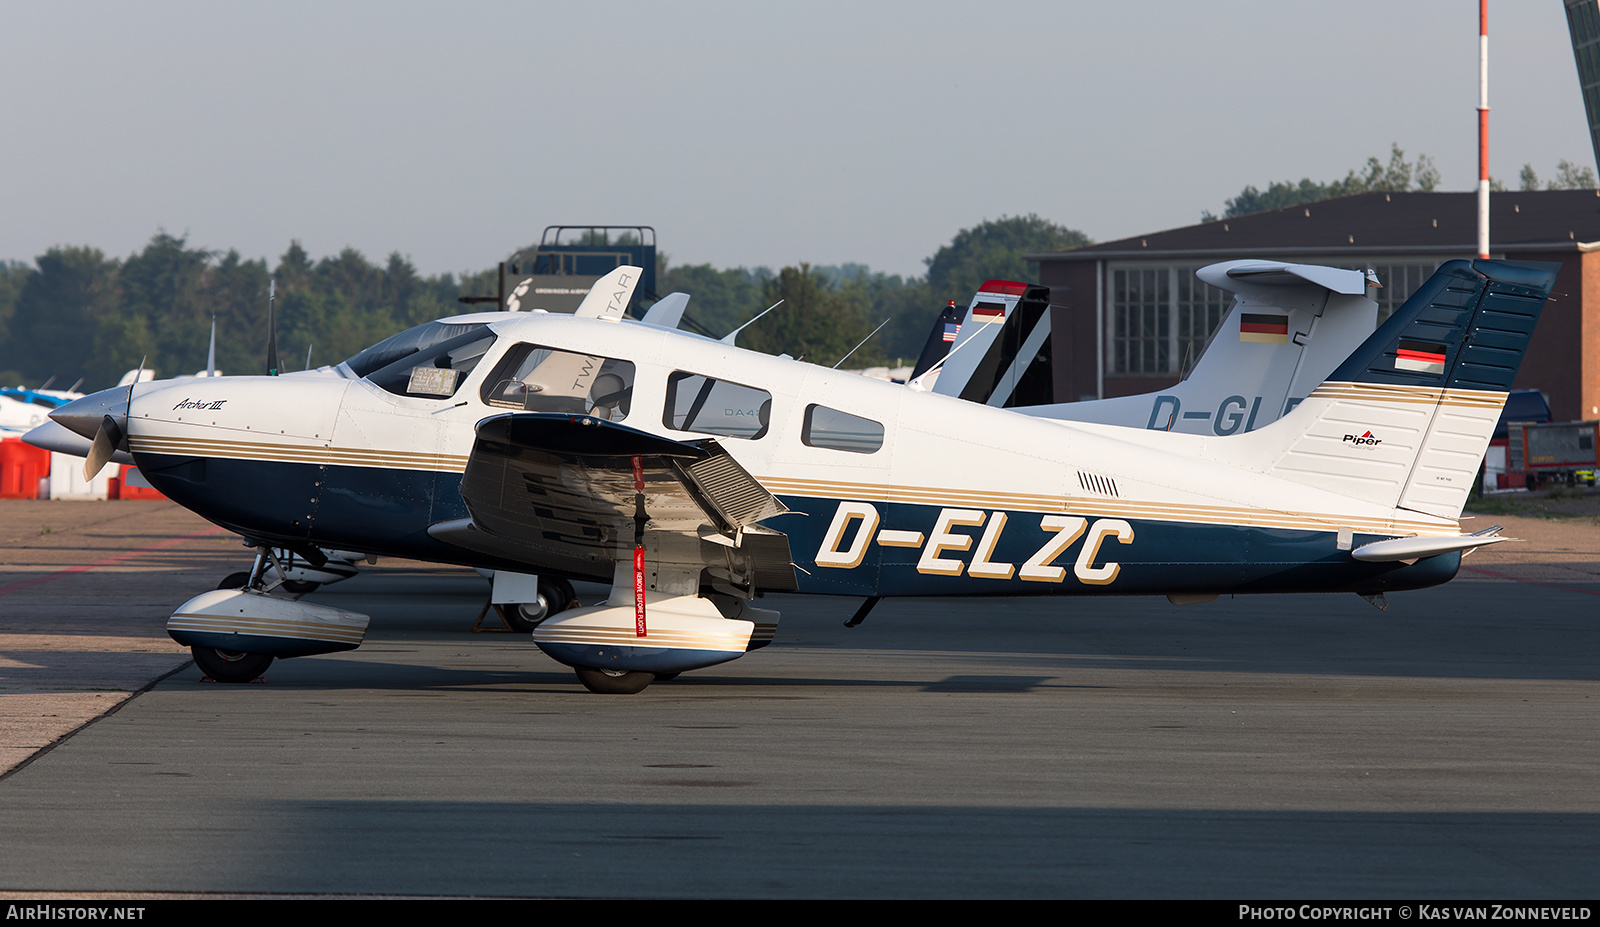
(1554, 452)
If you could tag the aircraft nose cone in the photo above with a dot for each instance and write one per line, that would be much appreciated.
(83, 416)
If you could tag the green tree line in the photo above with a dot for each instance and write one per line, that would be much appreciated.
(1397, 175)
(75, 313)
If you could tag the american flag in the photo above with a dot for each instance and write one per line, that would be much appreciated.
(950, 331)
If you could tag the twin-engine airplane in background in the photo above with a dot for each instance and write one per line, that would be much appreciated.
(695, 476)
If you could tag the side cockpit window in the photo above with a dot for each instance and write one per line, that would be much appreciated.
(718, 407)
(433, 371)
(531, 378)
(840, 431)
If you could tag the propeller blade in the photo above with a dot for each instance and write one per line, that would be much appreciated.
(106, 441)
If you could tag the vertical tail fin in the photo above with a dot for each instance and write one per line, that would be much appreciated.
(1005, 337)
(1405, 421)
(935, 349)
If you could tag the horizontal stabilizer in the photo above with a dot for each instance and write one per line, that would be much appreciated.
(1416, 548)
(1229, 276)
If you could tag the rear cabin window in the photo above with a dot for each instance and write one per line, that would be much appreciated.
(840, 431)
(531, 378)
(718, 407)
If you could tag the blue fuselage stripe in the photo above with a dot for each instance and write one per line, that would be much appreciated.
(387, 512)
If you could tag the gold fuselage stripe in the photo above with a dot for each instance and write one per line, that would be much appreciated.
(833, 489)
(1411, 395)
(298, 453)
(1159, 511)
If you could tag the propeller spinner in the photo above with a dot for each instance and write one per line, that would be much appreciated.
(101, 417)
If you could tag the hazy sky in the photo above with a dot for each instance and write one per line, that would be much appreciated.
(746, 133)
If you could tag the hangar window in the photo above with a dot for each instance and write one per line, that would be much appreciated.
(1161, 319)
(840, 431)
(718, 407)
(537, 379)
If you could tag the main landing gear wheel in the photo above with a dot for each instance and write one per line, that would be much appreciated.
(555, 595)
(298, 587)
(230, 665)
(237, 580)
(613, 682)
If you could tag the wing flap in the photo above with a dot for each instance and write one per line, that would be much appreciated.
(552, 489)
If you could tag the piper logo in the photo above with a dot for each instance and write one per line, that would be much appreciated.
(1362, 439)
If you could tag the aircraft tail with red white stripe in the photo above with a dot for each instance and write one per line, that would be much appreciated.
(1405, 421)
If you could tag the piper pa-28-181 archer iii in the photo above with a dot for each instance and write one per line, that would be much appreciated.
(696, 476)
(1288, 327)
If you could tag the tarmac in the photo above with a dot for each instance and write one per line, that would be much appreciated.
(1258, 747)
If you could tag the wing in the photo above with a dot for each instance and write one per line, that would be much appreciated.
(572, 493)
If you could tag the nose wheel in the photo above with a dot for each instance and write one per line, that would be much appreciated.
(230, 665)
(613, 682)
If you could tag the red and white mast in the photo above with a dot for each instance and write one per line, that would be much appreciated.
(1483, 128)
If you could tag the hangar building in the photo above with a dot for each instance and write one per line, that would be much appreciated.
(1128, 316)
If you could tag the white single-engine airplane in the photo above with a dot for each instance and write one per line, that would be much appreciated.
(1288, 327)
(696, 476)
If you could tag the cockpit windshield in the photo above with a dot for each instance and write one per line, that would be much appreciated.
(435, 369)
(410, 341)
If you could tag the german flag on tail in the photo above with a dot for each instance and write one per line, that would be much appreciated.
(1263, 328)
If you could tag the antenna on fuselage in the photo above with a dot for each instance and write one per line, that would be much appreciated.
(728, 338)
(272, 328)
(308, 357)
(861, 342)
